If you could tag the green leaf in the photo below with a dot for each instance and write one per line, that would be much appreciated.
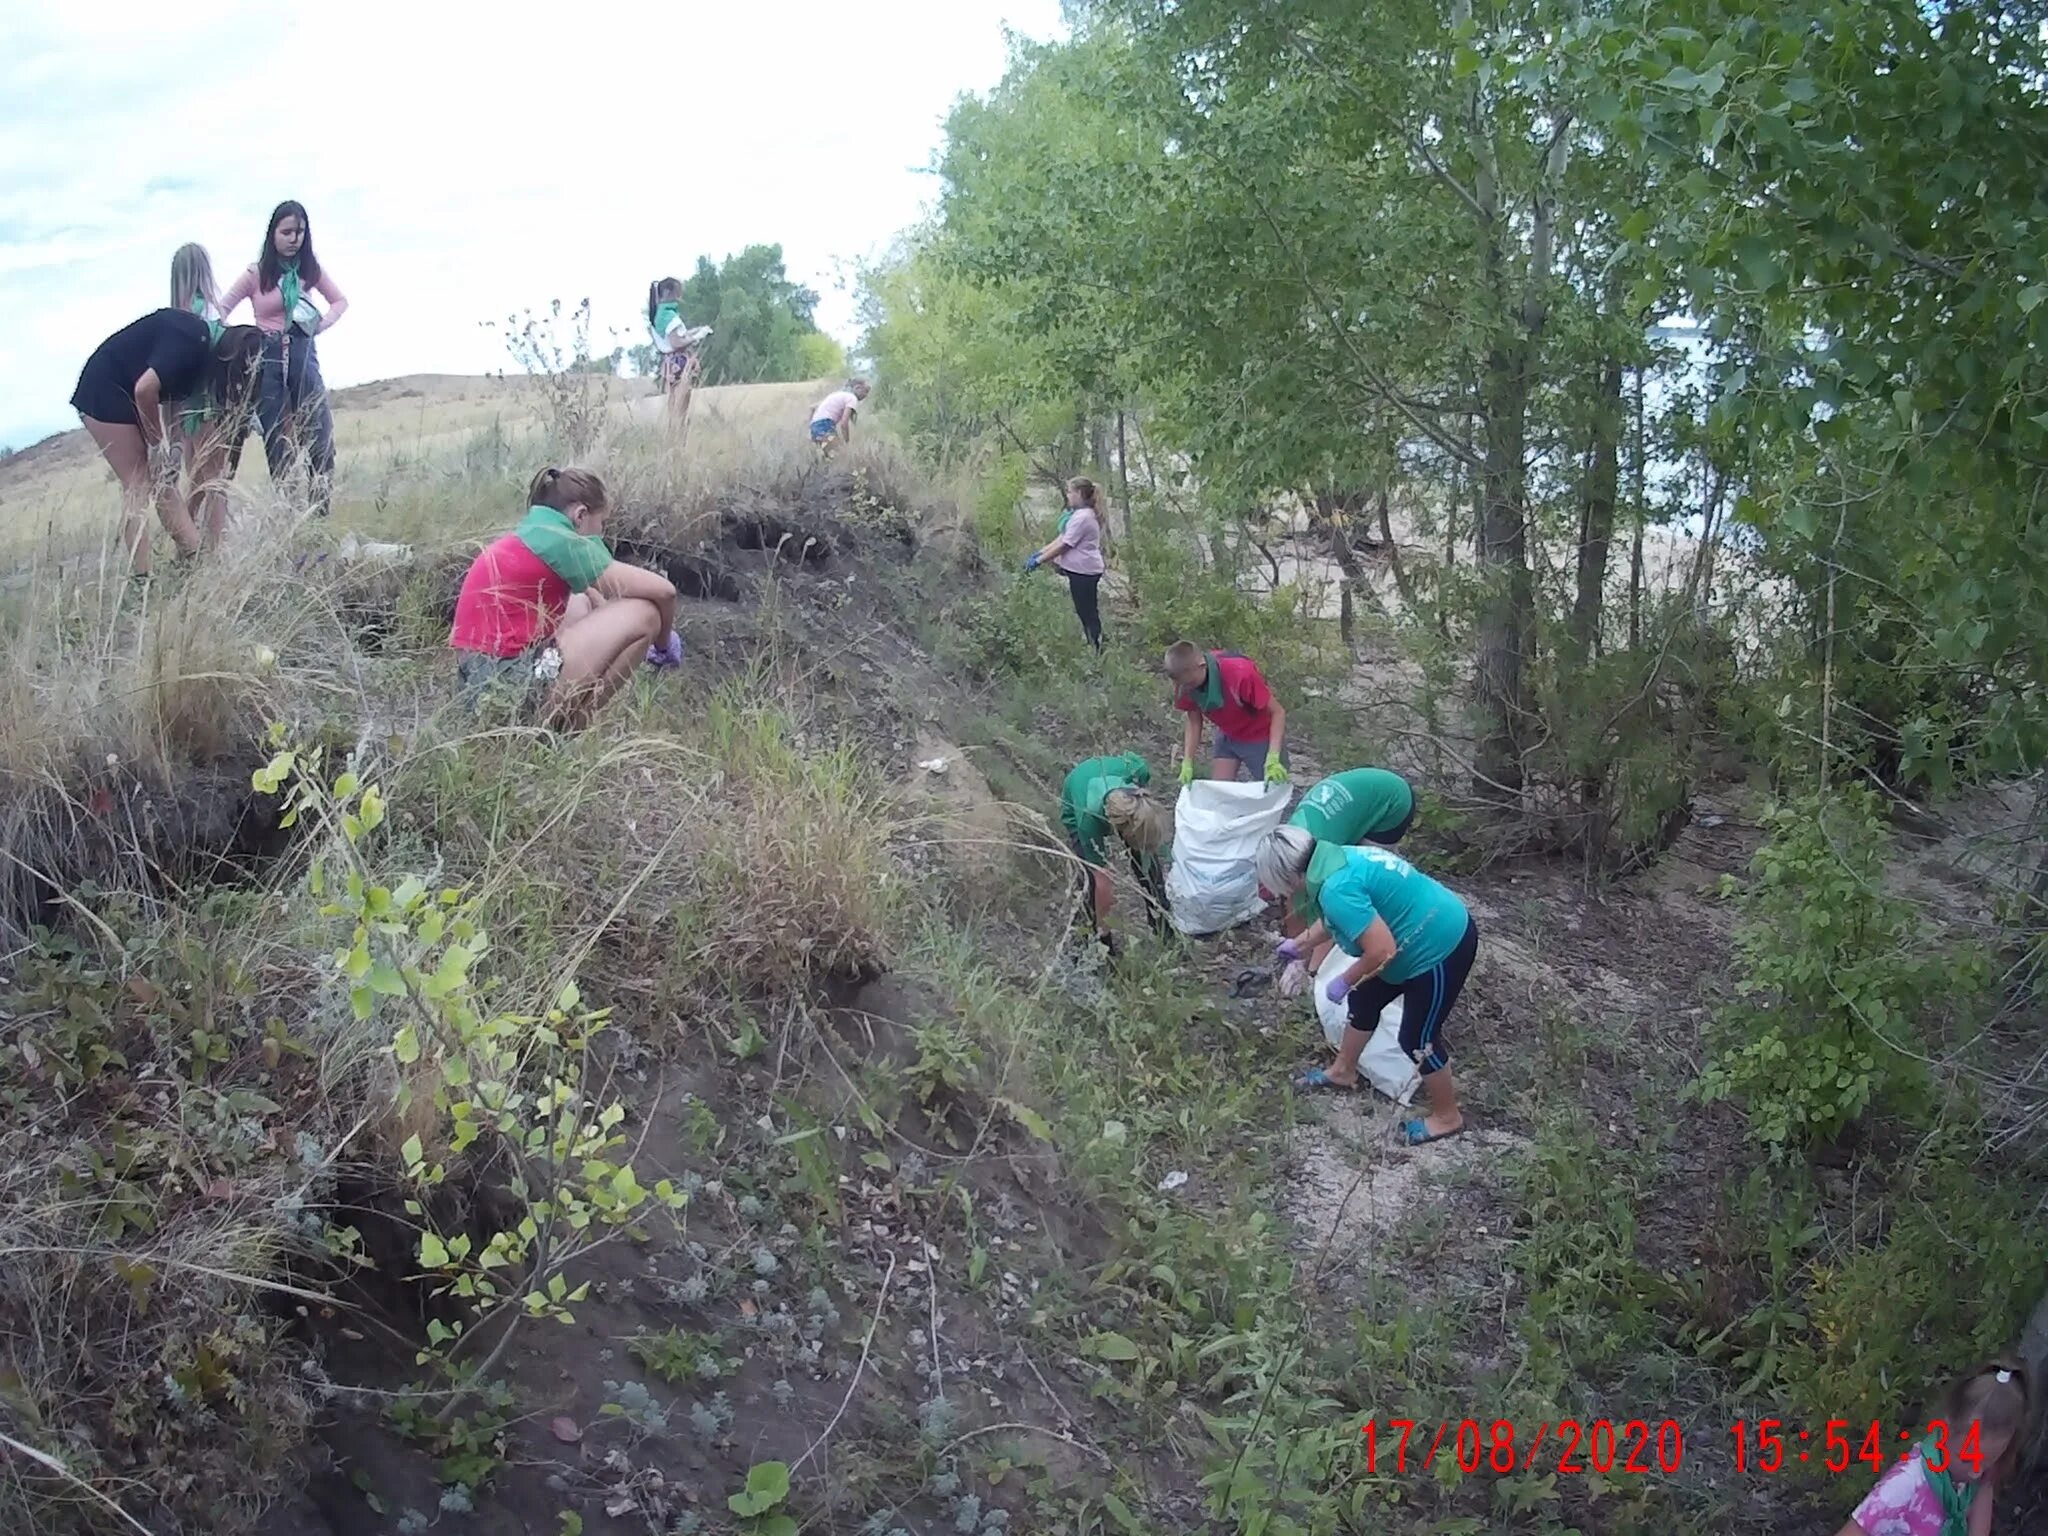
(1120, 1512)
(406, 1045)
(385, 980)
(433, 1252)
(1110, 1346)
(2030, 298)
(412, 1153)
(769, 1481)
(1029, 1118)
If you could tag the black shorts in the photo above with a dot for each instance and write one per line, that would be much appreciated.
(103, 398)
(1425, 1003)
(1400, 830)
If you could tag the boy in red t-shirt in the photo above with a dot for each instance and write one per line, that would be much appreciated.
(1230, 692)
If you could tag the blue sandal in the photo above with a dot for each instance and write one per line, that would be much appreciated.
(1416, 1133)
(1319, 1081)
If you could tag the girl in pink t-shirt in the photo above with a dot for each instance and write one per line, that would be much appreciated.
(1948, 1484)
(291, 398)
(1076, 549)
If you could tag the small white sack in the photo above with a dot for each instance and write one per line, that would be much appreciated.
(1217, 827)
(1385, 1065)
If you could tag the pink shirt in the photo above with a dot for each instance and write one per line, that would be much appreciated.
(1902, 1503)
(268, 308)
(1083, 538)
(833, 407)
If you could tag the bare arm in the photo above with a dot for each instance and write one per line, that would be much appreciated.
(1982, 1508)
(243, 287)
(1378, 944)
(1853, 1529)
(1279, 732)
(149, 407)
(1105, 896)
(337, 301)
(1050, 550)
(1191, 738)
(1317, 932)
(621, 579)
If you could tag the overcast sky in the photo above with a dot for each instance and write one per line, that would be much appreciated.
(459, 161)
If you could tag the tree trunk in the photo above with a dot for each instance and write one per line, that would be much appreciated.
(1596, 523)
(1402, 584)
(1635, 556)
(1123, 469)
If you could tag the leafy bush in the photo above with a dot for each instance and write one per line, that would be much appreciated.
(1834, 975)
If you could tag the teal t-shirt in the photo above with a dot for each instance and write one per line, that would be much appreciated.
(1082, 795)
(1427, 919)
(1351, 807)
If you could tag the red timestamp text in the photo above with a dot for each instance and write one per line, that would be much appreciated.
(1567, 1446)
(1770, 1445)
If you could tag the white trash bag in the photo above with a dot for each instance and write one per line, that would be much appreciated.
(1385, 1065)
(1217, 827)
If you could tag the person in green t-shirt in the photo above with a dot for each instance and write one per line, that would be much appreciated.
(1414, 940)
(1361, 805)
(1107, 796)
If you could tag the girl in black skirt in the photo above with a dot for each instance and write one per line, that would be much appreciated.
(165, 360)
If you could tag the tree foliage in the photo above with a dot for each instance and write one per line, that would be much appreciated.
(762, 321)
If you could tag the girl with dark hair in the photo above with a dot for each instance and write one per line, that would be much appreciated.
(676, 342)
(132, 381)
(291, 401)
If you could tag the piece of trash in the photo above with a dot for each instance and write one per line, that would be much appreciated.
(1173, 1180)
(1249, 979)
(1114, 1131)
(565, 1429)
(933, 765)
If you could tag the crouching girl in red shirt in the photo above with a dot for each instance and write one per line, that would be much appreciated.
(548, 624)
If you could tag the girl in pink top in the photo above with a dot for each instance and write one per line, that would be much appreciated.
(1076, 549)
(1948, 1484)
(832, 419)
(291, 401)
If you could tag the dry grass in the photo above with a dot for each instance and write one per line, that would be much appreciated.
(182, 1085)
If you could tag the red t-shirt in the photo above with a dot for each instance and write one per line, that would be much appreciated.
(1245, 712)
(510, 598)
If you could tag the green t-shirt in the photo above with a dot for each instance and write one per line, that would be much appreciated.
(1351, 807)
(576, 557)
(1082, 795)
(1348, 808)
(1427, 919)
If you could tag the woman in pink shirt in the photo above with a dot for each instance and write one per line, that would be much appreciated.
(1076, 549)
(291, 401)
(832, 418)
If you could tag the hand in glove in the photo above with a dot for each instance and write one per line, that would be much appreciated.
(1187, 772)
(668, 653)
(1276, 771)
(1339, 987)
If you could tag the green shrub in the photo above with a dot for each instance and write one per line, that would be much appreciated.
(1833, 975)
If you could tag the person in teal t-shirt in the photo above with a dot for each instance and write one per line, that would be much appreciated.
(1414, 940)
(1362, 805)
(1107, 796)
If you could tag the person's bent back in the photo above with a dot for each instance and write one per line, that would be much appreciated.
(549, 625)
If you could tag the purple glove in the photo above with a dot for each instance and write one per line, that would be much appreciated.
(1339, 987)
(667, 654)
(1287, 949)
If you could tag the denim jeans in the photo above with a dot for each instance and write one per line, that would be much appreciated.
(291, 406)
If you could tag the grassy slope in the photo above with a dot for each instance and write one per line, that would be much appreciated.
(928, 1257)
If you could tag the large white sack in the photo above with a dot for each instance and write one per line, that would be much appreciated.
(1217, 827)
(1385, 1065)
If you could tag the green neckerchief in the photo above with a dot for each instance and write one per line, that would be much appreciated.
(1210, 695)
(193, 417)
(1323, 863)
(199, 308)
(1066, 517)
(1955, 1497)
(1137, 773)
(662, 315)
(578, 558)
(288, 284)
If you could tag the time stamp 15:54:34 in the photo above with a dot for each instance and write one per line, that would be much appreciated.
(1769, 1445)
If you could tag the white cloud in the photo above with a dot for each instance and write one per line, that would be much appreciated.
(459, 165)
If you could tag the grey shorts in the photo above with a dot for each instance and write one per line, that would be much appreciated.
(1249, 755)
(509, 685)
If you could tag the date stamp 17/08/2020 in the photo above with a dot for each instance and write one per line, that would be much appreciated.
(1641, 1448)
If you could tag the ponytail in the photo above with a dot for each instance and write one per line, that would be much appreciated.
(561, 489)
(653, 299)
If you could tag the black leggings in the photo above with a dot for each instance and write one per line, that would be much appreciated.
(1084, 591)
(1425, 1002)
(1151, 877)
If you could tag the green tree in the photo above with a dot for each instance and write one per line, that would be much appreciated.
(759, 318)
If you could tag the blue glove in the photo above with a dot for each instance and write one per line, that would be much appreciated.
(1031, 564)
(669, 653)
(1287, 949)
(1339, 988)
